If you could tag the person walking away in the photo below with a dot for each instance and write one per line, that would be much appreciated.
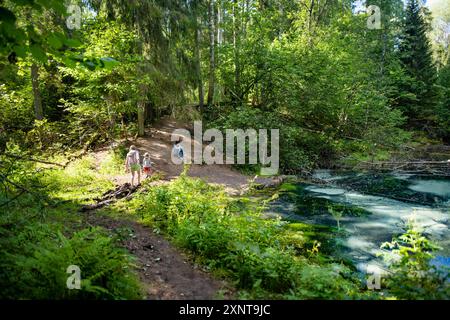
(178, 150)
(132, 163)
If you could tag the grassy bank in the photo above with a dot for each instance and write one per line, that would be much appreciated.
(264, 258)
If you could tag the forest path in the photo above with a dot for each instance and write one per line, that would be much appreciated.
(158, 144)
(165, 271)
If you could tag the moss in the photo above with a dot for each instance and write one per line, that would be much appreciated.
(286, 187)
(309, 234)
(307, 204)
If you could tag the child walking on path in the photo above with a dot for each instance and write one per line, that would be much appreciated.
(178, 151)
(147, 164)
(132, 163)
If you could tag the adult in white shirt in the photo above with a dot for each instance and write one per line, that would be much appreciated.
(133, 164)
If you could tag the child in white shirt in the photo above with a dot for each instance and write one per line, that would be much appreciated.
(147, 164)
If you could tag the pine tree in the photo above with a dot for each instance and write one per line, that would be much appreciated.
(420, 99)
(444, 106)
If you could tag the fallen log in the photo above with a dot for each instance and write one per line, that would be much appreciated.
(111, 196)
(409, 162)
(415, 165)
(119, 192)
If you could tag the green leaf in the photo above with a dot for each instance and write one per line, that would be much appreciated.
(21, 51)
(108, 63)
(58, 6)
(11, 32)
(77, 57)
(38, 53)
(54, 41)
(73, 43)
(20, 35)
(23, 2)
(69, 62)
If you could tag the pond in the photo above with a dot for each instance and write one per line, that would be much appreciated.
(373, 208)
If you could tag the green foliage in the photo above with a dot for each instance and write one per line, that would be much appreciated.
(412, 275)
(258, 254)
(105, 270)
(334, 89)
(19, 36)
(416, 56)
(40, 234)
(113, 161)
(23, 36)
(324, 94)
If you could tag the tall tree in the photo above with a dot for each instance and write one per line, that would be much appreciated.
(441, 31)
(198, 59)
(416, 55)
(444, 105)
(37, 100)
(162, 28)
(212, 50)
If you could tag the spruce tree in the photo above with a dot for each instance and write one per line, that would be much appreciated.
(444, 106)
(419, 100)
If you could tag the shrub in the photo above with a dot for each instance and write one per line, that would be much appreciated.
(38, 269)
(412, 275)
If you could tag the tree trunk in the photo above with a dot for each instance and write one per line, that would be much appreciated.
(198, 57)
(150, 113)
(141, 110)
(219, 29)
(37, 102)
(219, 38)
(212, 49)
(141, 119)
(236, 47)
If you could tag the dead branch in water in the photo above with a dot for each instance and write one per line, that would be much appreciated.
(435, 167)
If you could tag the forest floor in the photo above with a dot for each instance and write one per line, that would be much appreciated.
(165, 271)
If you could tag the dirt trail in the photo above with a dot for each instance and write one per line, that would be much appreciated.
(165, 271)
(158, 144)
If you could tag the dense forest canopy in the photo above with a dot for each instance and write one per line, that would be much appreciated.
(336, 88)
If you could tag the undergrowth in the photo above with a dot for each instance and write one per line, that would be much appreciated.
(260, 255)
(42, 234)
